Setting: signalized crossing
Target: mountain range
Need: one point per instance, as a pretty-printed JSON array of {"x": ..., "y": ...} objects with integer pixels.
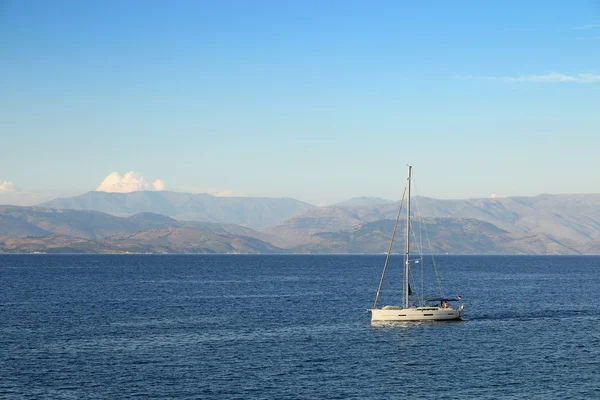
[
  {"x": 156, "y": 222},
  {"x": 37, "y": 229},
  {"x": 254, "y": 212},
  {"x": 569, "y": 219}
]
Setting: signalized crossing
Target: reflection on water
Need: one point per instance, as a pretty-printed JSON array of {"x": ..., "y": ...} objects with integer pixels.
[{"x": 412, "y": 324}]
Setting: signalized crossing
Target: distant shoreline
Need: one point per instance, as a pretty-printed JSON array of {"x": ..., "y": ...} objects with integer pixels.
[{"x": 289, "y": 254}]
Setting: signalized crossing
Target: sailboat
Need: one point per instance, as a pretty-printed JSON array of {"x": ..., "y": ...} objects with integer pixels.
[{"x": 413, "y": 307}]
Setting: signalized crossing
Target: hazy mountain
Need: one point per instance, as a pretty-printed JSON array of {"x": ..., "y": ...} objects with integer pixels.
[
  {"x": 52, "y": 243},
  {"x": 39, "y": 221},
  {"x": 188, "y": 240},
  {"x": 363, "y": 201},
  {"x": 329, "y": 219},
  {"x": 165, "y": 240},
  {"x": 446, "y": 235},
  {"x": 546, "y": 224},
  {"x": 16, "y": 227},
  {"x": 554, "y": 224},
  {"x": 317, "y": 220},
  {"x": 573, "y": 217},
  {"x": 227, "y": 229},
  {"x": 254, "y": 212},
  {"x": 37, "y": 229}
]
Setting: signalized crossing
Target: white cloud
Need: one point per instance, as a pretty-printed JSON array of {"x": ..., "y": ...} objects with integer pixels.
[
  {"x": 14, "y": 195},
  {"x": 587, "y": 38},
  {"x": 130, "y": 182},
  {"x": 158, "y": 185},
  {"x": 551, "y": 77},
  {"x": 7, "y": 187},
  {"x": 556, "y": 77},
  {"x": 224, "y": 193}
]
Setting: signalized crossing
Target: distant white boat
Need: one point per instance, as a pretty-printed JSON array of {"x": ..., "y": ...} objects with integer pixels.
[{"x": 414, "y": 307}]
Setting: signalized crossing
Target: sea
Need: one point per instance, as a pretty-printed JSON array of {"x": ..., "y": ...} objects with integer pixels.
[{"x": 293, "y": 327}]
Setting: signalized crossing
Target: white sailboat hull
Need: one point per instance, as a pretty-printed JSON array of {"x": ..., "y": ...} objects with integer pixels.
[{"x": 391, "y": 313}]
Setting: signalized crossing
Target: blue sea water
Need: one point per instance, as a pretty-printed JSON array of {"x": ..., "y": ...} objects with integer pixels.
[{"x": 292, "y": 327}]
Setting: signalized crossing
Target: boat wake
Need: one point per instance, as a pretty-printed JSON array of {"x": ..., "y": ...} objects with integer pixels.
[{"x": 543, "y": 315}]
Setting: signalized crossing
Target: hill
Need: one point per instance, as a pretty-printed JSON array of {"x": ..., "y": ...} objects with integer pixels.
[
  {"x": 38, "y": 221},
  {"x": 541, "y": 224},
  {"x": 446, "y": 235},
  {"x": 188, "y": 240},
  {"x": 36, "y": 229}
]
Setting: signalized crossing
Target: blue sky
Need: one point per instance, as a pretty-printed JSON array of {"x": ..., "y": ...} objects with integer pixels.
[{"x": 320, "y": 101}]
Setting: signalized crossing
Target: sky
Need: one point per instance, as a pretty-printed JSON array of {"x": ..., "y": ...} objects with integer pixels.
[{"x": 321, "y": 101}]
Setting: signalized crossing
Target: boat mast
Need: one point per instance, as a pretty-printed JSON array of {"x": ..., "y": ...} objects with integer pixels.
[{"x": 406, "y": 260}]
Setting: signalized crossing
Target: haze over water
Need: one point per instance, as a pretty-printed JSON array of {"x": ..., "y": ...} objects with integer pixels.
[{"x": 273, "y": 327}]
